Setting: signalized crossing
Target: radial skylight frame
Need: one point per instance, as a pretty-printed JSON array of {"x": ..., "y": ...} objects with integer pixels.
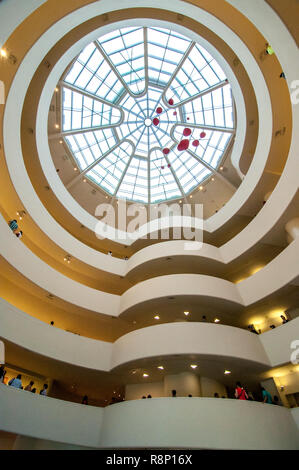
[{"x": 120, "y": 91}]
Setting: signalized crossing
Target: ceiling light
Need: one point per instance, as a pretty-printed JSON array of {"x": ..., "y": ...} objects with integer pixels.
[
  {"x": 227, "y": 372},
  {"x": 56, "y": 89},
  {"x": 213, "y": 179},
  {"x": 61, "y": 141},
  {"x": 57, "y": 126},
  {"x": 84, "y": 181},
  {"x": 67, "y": 258},
  {"x": 75, "y": 169},
  {"x": 221, "y": 168},
  {"x": 200, "y": 188},
  {"x": 191, "y": 196},
  {"x": 186, "y": 313},
  {"x": 216, "y": 320},
  {"x": 193, "y": 366},
  {"x": 3, "y": 53},
  {"x": 157, "y": 317},
  {"x": 161, "y": 367},
  {"x": 145, "y": 375}
]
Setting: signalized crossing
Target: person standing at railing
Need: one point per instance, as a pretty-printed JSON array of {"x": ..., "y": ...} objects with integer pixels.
[
  {"x": 16, "y": 382},
  {"x": 44, "y": 390},
  {"x": 2, "y": 374},
  {"x": 28, "y": 387},
  {"x": 240, "y": 392}
]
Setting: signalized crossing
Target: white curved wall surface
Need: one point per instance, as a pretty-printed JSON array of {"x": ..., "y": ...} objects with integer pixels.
[
  {"x": 270, "y": 349},
  {"x": 180, "y": 285},
  {"x": 42, "y": 417},
  {"x": 279, "y": 272},
  {"x": 13, "y": 13},
  {"x": 172, "y": 248},
  {"x": 26, "y": 262},
  {"x": 204, "y": 423},
  {"x": 52, "y": 342},
  {"x": 188, "y": 338},
  {"x": 279, "y": 344}
]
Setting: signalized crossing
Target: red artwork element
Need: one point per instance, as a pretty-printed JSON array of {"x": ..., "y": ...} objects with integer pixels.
[
  {"x": 175, "y": 113},
  {"x": 169, "y": 165},
  {"x": 156, "y": 121},
  {"x": 195, "y": 143},
  {"x": 159, "y": 110},
  {"x": 183, "y": 145},
  {"x": 166, "y": 151},
  {"x": 170, "y": 101},
  {"x": 162, "y": 167},
  {"x": 202, "y": 135},
  {"x": 188, "y": 119},
  {"x": 186, "y": 131}
]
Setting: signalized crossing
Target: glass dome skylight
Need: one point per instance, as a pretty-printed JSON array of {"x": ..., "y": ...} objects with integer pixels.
[{"x": 130, "y": 98}]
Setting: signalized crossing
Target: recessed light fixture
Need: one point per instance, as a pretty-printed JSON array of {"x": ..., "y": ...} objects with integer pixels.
[
  {"x": 186, "y": 313},
  {"x": 67, "y": 258},
  {"x": 200, "y": 188},
  {"x": 161, "y": 367},
  {"x": 56, "y": 89},
  {"x": 221, "y": 168},
  {"x": 61, "y": 141},
  {"x": 193, "y": 366},
  {"x": 75, "y": 169},
  {"x": 156, "y": 317},
  {"x": 84, "y": 181},
  {"x": 213, "y": 179},
  {"x": 216, "y": 320},
  {"x": 3, "y": 53},
  {"x": 227, "y": 372},
  {"x": 145, "y": 375},
  {"x": 57, "y": 126},
  {"x": 191, "y": 196}
]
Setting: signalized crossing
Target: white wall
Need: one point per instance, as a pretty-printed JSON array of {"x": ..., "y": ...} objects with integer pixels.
[
  {"x": 51, "y": 342},
  {"x": 47, "y": 418},
  {"x": 295, "y": 414},
  {"x": 137, "y": 391},
  {"x": 160, "y": 422},
  {"x": 185, "y": 383},
  {"x": 188, "y": 338},
  {"x": 210, "y": 386},
  {"x": 204, "y": 423},
  {"x": 12, "y": 13},
  {"x": 277, "y": 342}
]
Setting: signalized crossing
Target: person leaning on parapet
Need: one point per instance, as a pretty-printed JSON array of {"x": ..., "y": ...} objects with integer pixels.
[
  {"x": 240, "y": 392},
  {"x": 267, "y": 398},
  {"x": 28, "y": 387},
  {"x": 2, "y": 374},
  {"x": 16, "y": 382},
  {"x": 44, "y": 390}
]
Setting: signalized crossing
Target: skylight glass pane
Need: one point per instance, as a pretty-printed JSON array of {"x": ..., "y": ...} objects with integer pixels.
[{"x": 130, "y": 143}]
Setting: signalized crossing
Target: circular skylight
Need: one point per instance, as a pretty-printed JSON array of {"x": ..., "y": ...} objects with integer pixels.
[{"x": 146, "y": 113}]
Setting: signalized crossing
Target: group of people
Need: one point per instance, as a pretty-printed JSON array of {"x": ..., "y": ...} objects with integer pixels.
[
  {"x": 242, "y": 394},
  {"x": 13, "y": 225},
  {"x": 284, "y": 320},
  {"x": 16, "y": 382}
]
